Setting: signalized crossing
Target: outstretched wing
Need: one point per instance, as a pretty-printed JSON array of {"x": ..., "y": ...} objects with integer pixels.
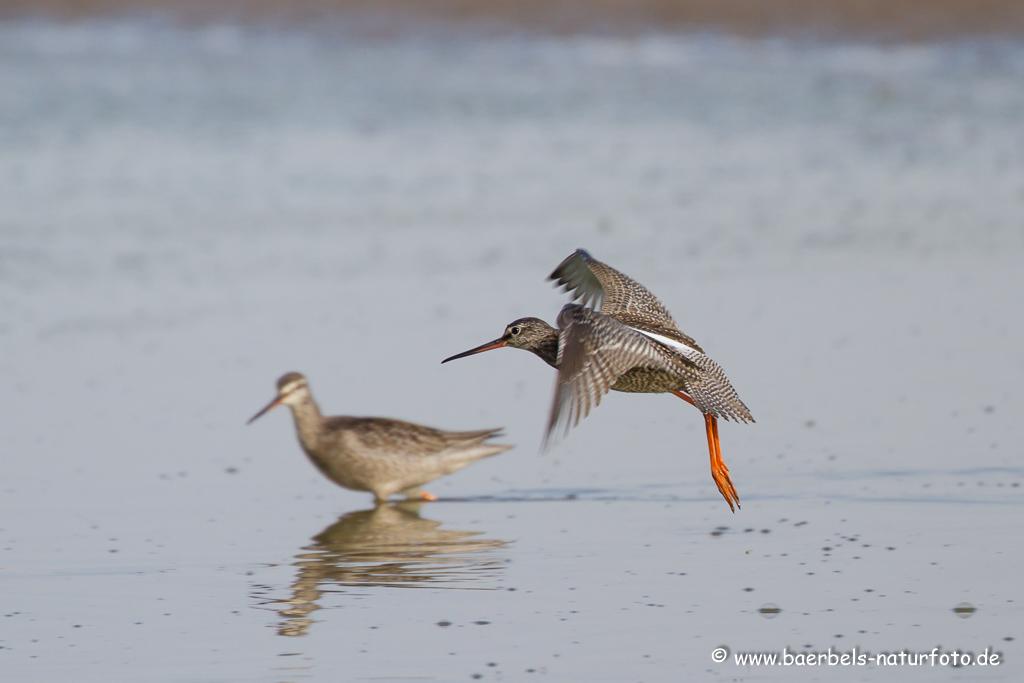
[
  {"x": 594, "y": 350},
  {"x": 576, "y": 276},
  {"x": 612, "y": 292},
  {"x": 615, "y": 294},
  {"x": 709, "y": 388}
]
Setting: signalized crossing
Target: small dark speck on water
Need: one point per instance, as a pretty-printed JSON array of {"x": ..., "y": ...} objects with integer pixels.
[
  {"x": 231, "y": 470},
  {"x": 481, "y": 623},
  {"x": 748, "y": 589},
  {"x": 444, "y": 623},
  {"x": 964, "y": 610},
  {"x": 769, "y": 609}
]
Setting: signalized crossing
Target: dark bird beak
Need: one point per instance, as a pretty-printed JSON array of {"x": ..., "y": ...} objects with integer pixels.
[
  {"x": 273, "y": 404},
  {"x": 496, "y": 344}
]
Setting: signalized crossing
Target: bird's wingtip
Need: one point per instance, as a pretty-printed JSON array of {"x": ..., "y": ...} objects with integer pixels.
[{"x": 580, "y": 252}]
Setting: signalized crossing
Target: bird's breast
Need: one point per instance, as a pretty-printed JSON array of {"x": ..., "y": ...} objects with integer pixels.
[{"x": 648, "y": 381}]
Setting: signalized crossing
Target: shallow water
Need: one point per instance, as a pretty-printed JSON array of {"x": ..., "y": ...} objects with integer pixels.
[{"x": 188, "y": 213}]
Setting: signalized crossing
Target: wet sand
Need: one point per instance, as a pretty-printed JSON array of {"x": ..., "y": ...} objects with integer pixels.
[{"x": 879, "y": 19}]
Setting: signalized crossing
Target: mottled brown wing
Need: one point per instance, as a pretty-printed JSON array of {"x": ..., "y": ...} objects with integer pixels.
[
  {"x": 709, "y": 388},
  {"x": 414, "y": 440},
  {"x": 714, "y": 394},
  {"x": 594, "y": 350},
  {"x": 576, "y": 277},
  {"x": 612, "y": 292}
]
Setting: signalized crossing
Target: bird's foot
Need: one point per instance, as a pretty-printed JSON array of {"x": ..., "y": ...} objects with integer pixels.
[
  {"x": 427, "y": 495},
  {"x": 719, "y": 472},
  {"x": 725, "y": 487}
]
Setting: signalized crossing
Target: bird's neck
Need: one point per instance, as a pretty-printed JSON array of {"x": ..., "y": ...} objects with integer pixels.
[
  {"x": 547, "y": 349},
  {"x": 308, "y": 421}
]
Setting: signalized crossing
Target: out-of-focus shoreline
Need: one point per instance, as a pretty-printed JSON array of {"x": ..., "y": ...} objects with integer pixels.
[{"x": 880, "y": 19}]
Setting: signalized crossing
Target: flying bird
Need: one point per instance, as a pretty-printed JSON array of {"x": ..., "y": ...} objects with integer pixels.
[{"x": 620, "y": 336}]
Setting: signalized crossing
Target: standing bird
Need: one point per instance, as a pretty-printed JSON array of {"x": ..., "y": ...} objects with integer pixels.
[
  {"x": 631, "y": 343},
  {"x": 377, "y": 454}
]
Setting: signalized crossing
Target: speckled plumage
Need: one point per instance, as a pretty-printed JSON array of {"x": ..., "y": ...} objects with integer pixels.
[
  {"x": 627, "y": 309},
  {"x": 377, "y": 454},
  {"x": 621, "y": 337}
]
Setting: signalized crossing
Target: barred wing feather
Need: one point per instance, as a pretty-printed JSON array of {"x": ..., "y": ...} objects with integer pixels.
[
  {"x": 710, "y": 389},
  {"x": 611, "y": 292},
  {"x": 594, "y": 350}
]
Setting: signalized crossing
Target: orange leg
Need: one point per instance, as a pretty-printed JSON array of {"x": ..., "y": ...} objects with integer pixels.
[
  {"x": 719, "y": 472},
  {"x": 685, "y": 398},
  {"x": 426, "y": 495}
]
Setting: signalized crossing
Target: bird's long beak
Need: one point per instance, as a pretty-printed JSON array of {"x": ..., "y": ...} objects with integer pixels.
[
  {"x": 273, "y": 404},
  {"x": 496, "y": 344}
]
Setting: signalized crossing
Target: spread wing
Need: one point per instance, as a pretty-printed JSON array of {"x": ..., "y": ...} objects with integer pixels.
[
  {"x": 594, "y": 350},
  {"x": 575, "y": 275},
  {"x": 709, "y": 388},
  {"x": 714, "y": 394},
  {"x": 612, "y": 293}
]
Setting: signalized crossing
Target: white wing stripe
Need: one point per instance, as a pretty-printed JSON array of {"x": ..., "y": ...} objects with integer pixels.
[{"x": 667, "y": 341}]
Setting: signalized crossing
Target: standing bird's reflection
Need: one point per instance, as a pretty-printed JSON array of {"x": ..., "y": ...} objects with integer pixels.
[{"x": 387, "y": 546}]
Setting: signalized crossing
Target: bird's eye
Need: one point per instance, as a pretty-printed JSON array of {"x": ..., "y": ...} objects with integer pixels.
[{"x": 515, "y": 330}]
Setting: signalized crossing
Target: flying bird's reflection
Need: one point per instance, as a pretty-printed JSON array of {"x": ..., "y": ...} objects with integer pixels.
[{"x": 387, "y": 546}]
